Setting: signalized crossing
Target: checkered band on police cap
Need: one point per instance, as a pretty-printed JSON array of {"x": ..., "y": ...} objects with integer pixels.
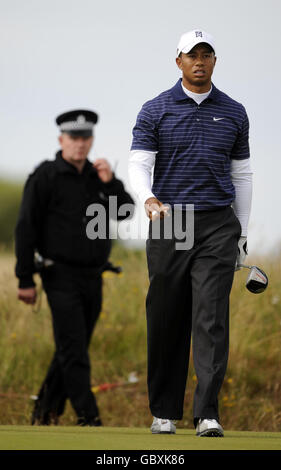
[{"x": 77, "y": 120}]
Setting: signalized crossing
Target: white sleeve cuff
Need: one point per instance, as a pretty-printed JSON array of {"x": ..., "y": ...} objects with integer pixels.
[
  {"x": 141, "y": 163},
  {"x": 241, "y": 176}
]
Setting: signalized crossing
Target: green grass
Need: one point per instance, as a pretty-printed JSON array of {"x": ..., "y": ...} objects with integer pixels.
[
  {"x": 10, "y": 196},
  {"x": 110, "y": 438}
]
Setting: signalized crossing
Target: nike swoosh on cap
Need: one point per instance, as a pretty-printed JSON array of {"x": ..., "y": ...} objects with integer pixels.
[{"x": 218, "y": 119}]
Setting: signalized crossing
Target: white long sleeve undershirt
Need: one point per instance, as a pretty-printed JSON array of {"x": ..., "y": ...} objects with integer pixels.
[
  {"x": 241, "y": 177},
  {"x": 141, "y": 163}
]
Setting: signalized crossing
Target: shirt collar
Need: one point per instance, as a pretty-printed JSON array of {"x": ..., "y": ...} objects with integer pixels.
[
  {"x": 179, "y": 95},
  {"x": 65, "y": 167}
]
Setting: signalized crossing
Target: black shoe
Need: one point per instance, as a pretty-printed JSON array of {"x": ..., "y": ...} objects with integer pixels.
[
  {"x": 89, "y": 421},
  {"x": 40, "y": 417}
]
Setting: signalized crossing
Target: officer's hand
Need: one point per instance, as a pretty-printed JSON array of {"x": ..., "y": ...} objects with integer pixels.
[
  {"x": 28, "y": 295},
  {"x": 103, "y": 169},
  {"x": 154, "y": 209},
  {"x": 242, "y": 252}
]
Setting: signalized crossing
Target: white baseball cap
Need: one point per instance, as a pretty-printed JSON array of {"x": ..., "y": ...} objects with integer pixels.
[{"x": 192, "y": 38}]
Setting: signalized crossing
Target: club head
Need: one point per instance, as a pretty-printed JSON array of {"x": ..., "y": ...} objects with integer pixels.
[{"x": 257, "y": 280}]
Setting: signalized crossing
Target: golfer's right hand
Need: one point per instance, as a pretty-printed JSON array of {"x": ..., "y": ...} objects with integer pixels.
[
  {"x": 154, "y": 209},
  {"x": 27, "y": 295}
]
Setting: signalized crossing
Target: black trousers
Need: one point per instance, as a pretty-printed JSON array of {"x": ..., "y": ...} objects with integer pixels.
[
  {"x": 189, "y": 293},
  {"x": 75, "y": 298}
]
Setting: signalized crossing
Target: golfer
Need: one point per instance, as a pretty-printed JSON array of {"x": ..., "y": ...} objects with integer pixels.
[{"x": 196, "y": 138}]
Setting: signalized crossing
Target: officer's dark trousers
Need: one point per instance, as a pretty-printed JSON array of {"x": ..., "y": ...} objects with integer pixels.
[
  {"x": 75, "y": 298},
  {"x": 189, "y": 293}
]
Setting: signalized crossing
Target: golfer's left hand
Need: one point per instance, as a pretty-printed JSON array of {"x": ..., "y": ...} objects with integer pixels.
[
  {"x": 103, "y": 169},
  {"x": 242, "y": 252}
]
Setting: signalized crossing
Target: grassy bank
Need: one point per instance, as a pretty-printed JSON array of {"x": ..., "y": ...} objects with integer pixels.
[
  {"x": 10, "y": 196},
  {"x": 250, "y": 398},
  {"x": 109, "y": 438}
]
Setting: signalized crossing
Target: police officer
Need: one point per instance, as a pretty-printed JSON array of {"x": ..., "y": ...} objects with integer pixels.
[{"x": 52, "y": 221}]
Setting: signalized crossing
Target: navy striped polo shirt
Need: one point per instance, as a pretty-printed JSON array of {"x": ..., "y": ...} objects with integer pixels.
[{"x": 194, "y": 145}]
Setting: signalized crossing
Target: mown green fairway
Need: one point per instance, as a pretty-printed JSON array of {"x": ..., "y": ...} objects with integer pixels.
[{"x": 108, "y": 438}]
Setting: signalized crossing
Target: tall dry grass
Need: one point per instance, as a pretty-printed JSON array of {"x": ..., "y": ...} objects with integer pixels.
[{"x": 250, "y": 398}]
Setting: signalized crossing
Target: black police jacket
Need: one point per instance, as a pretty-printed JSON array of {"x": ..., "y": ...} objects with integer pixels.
[{"x": 52, "y": 217}]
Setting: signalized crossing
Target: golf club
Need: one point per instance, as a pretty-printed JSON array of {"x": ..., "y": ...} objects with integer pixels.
[{"x": 257, "y": 280}]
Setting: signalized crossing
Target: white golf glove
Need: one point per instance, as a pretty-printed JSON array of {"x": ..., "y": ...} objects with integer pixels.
[{"x": 242, "y": 252}]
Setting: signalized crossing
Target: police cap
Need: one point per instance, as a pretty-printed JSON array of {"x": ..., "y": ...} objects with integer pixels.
[{"x": 79, "y": 122}]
